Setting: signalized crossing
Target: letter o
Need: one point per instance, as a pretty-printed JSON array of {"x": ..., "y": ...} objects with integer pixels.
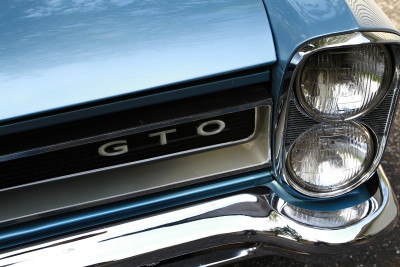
[{"x": 201, "y": 131}]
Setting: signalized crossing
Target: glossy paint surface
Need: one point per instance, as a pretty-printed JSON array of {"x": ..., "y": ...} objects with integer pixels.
[
  {"x": 60, "y": 53},
  {"x": 295, "y": 22}
]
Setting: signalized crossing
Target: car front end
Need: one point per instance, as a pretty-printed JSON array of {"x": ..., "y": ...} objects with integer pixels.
[{"x": 195, "y": 133}]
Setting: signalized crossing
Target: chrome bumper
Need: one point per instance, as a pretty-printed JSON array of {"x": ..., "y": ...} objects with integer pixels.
[{"x": 213, "y": 232}]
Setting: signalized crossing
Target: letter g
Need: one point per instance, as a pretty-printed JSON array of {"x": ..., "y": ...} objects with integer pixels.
[{"x": 116, "y": 150}]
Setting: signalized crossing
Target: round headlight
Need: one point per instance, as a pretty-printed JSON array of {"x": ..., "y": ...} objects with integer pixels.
[
  {"x": 343, "y": 83},
  {"x": 329, "y": 157}
]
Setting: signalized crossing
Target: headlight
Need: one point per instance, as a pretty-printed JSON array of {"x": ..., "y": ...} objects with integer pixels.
[
  {"x": 329, "y": 157},
  {"x": 338, "y": 102},
  {"x": 343, "y": 83}
]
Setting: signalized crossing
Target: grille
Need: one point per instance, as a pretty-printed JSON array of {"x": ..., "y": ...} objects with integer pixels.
[
  {"x": 377, "y": 120},
  {"x": 297, "y": 123},
  {"x": 239, "y": 126}
]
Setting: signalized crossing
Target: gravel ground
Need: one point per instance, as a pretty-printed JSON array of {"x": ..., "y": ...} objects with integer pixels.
[
  {"x": 391, "y": 8},
  {"x": 387, "y": 252}
]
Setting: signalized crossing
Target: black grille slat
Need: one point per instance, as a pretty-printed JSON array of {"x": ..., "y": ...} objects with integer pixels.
[
  {"x": 377, "y": 119},
  {"x": 297, "y": 123}
]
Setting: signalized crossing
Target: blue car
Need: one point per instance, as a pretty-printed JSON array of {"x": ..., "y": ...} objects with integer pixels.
[{"x": 141, "y": 133}]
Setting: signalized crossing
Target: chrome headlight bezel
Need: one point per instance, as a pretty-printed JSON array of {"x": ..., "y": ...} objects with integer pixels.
[{"x": 292, "y": 119}]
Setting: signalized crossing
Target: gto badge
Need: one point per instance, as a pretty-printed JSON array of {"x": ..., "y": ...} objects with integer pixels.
[{"x": 116, "y": 148}]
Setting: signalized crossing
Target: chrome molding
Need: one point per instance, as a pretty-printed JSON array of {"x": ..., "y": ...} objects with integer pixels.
[
  {"x": 288, "y": 94},
  {"x": 350, "y": 39},
  {"x": 243, "y": 218}
]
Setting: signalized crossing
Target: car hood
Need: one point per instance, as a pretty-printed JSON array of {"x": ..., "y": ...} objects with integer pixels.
[{"x": 60, "y": 53}]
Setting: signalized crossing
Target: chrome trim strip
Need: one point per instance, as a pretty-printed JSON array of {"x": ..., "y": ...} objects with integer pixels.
[
  {"x": 349, "y": 39},
  {"x": 242, "y": 218},
  {"x": 287, "y": 93}
]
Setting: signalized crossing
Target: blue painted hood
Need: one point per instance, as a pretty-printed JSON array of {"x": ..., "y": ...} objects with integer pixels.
[{"x": 57, "y": 53}]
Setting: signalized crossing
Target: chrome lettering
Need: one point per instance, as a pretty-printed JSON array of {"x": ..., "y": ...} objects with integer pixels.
[
  {"x": 220, "y": 124},
  {"x": 118, "y": 148},
  {"x": 163, "y": 135}
]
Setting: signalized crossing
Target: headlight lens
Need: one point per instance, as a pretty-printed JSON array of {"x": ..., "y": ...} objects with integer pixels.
[
  {"x": 340, "y": 84},
  {"x": 330, "y": 157}
]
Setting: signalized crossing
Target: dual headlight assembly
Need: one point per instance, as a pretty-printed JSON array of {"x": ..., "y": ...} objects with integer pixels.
[{"x": 346, "y": 95}]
